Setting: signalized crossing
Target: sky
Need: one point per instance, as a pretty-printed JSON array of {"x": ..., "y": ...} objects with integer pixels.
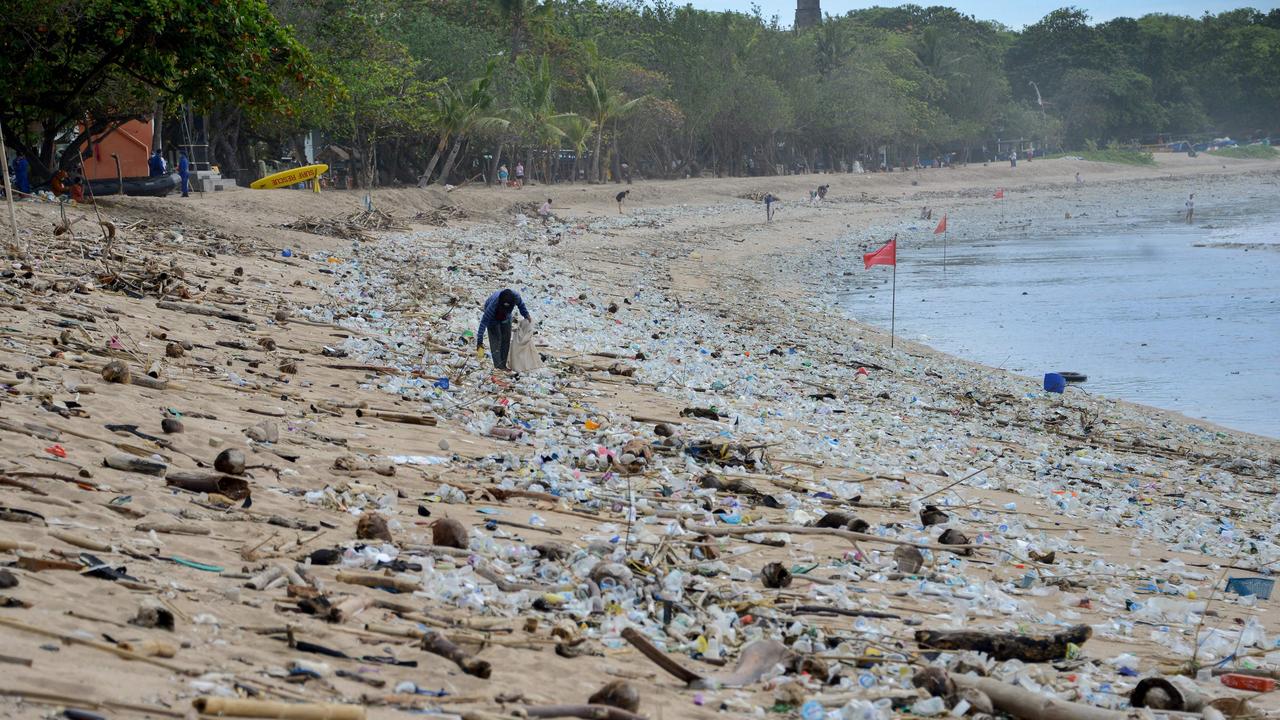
[{"x": 1014, "y": 13}]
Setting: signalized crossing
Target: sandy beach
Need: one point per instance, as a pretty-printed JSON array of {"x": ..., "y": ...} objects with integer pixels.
[{"x": 1083, "y": 509}]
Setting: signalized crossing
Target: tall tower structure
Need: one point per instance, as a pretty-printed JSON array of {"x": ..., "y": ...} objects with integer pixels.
[{"x": 808, "y": 13}]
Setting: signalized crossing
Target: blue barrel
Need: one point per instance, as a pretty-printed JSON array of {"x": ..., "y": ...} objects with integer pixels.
[{"x": 1055, "y": 383}]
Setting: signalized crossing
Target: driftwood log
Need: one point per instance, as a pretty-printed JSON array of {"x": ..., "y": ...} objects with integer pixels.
[
  {"x": 1027, "y": 705},
  {"x": 1006, "y": 646},
  {"x": 590, "y": 712},
  {"x": 204, "y": 310},
  {"x": 437, "y": 644}
]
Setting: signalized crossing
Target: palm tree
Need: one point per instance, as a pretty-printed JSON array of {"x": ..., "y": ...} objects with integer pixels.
[
  {"x": 577, "y": 132},
  {"x": 534, "y": 112},
  {"x": 460, "y": 112},
  {"x": 606, "y": 107}
]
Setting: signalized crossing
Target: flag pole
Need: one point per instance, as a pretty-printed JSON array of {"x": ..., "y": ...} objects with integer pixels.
[
  {"x": 945, "y": 230},
  {"x": 893, "y": 303}
]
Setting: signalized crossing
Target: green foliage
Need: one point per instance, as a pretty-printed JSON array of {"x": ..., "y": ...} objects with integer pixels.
[
  {"x": 665, "y": 86},
  {"x": 106, "y": 60},
  {"x": 1248, "y": 152}
]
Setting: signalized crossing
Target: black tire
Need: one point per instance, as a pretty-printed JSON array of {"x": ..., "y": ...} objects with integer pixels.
[{"x": 1073, "y": 377}]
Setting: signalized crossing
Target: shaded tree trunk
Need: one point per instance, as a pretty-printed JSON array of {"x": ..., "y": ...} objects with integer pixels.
[
  {"x": 448, "y": 163},
  {"x": 493, "y": 165},
  {"x": 593, "y": 174},
  {"x": 615, "y": 157},
  {"x": 425, "y": 178}
]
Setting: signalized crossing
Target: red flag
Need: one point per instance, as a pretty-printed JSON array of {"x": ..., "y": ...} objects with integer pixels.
[
  {"x": 942, "y": 226},
  {"x": 1000, "y": 194},
  {"x": 887, "y": 255}
]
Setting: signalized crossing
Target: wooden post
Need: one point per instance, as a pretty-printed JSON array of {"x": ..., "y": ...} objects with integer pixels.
[{"x": 15, "y": 248}]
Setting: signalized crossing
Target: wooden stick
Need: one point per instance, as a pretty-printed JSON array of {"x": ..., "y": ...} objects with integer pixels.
[
  {"x": 646, "y": 648},
  {"x": 379, "y": 581},
  {"x": 74, "y": 640},
  {"x": 56, "y": 699},
  {"x": 398, "y": 417},
  {"x": 234, "y": 707},
  {"x": 80, "y": 542}
]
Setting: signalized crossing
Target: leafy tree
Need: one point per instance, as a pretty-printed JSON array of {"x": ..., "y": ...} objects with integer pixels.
[
  {"x": 459, "y": 112},
  {"x": 606, "y": 107},
  {"x": 97, "y": 63},
  {"x": 577, "y": 131}
]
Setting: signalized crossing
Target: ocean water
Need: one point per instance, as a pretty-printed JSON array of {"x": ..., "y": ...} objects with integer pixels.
[{"x": 1152, "y": 310}]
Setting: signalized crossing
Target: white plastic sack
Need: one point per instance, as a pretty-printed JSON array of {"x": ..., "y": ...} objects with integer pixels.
[{"x": 524, "y": 356}]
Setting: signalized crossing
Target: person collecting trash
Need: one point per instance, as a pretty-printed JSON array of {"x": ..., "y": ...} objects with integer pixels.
[{"x": 496, "y": 319}]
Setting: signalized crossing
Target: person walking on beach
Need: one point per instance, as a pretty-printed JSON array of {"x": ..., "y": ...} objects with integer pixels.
[
  {"x": 1191, "y": 207},
  {"x": 519, "y": 175},
  {"x": 184, "y": 173},
  {"x": 156, "y": 164},
  {"x": 620, "y": 197},
  {"x": 22, "y": 174},
  {"x": 544, "y": 212},
  {"x": 768, "y": 206},
  {"x": 496, "y": 320},
  {"x": 822, "y": 192},
  {"x": 1013, "y": 158},
  {"x": 1079, "y": 180},
  {"x": 503, "y": 174}
]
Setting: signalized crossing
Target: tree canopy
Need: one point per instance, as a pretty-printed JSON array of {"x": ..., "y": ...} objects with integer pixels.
[{"x": 426, "y": 90}]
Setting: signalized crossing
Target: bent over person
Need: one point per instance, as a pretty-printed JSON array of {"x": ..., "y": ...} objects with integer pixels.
[{"x": 498, "y": 313}]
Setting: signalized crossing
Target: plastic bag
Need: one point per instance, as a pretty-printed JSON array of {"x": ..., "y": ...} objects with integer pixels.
[{"x": 523, "y": 356}]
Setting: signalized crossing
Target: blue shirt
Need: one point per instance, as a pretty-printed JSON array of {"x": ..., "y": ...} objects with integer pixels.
[
  {"x": 157, "y": 165},
  {"x": 183, "y": 165},
  {"x": 491, "y": 311}
]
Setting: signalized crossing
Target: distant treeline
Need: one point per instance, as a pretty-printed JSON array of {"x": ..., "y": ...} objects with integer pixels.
[{"x": 447, "y": 90}]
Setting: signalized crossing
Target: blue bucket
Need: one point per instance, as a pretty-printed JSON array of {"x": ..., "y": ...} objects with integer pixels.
[
  {"x": 1261, "y": 587},
  {"x": 1055, "y": 383}
]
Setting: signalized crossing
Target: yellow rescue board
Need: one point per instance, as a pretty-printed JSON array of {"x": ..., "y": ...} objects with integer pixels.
[{"x": 285, "y": 178}]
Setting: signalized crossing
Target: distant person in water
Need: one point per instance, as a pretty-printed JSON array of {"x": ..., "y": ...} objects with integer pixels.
[
  {"x": 769, "y": 200},
  {"x": 499, "y": 311},
  {"x": 1191, "y": 207},
  {"x": 620, "y": 197}
]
